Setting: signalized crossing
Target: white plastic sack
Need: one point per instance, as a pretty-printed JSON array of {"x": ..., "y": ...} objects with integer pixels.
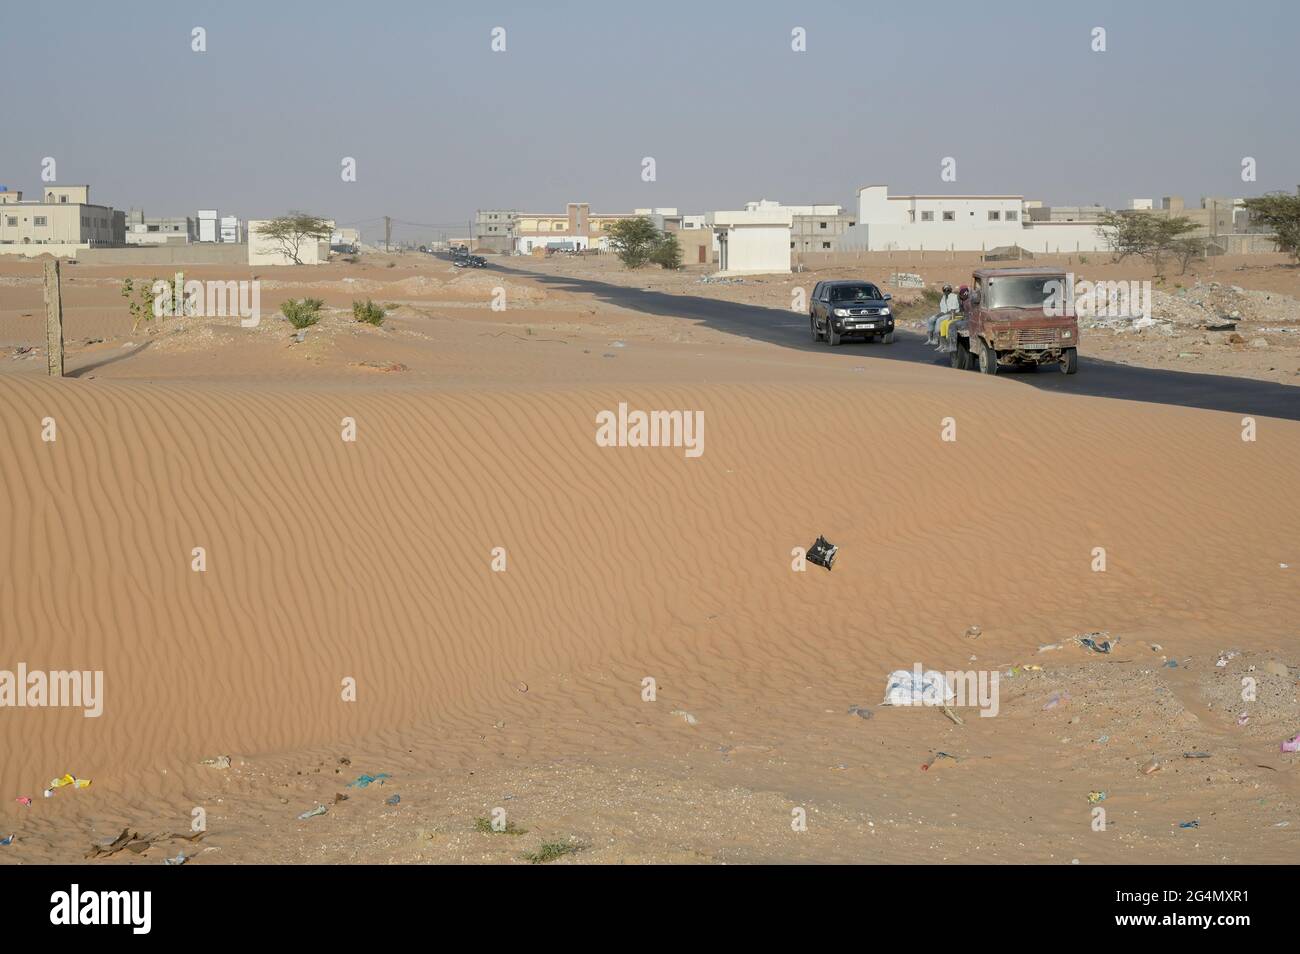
[{"x": 912, "y": 687}]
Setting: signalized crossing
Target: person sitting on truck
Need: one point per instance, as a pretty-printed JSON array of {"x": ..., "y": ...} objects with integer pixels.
[{"x": 948, "y": 305}]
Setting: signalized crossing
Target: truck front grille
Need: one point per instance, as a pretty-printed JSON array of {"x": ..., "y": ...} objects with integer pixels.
[{"x": 1039, "y": 338}]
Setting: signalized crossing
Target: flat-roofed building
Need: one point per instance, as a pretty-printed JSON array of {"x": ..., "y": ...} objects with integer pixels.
[{"x": 61, "y": 222}]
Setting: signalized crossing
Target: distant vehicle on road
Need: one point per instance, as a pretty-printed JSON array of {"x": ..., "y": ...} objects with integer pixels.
[
  {"x": 1017, "y": 317},
  {"x": 850, "y": 309}
]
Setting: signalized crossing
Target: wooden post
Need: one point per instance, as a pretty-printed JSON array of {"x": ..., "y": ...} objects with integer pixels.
[{"x": 53, "y": 320}]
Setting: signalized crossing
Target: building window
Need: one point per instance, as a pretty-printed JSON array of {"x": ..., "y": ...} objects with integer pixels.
[
  {"x": 927, "y": 216},
  {"x": 950, "y": 216},
  {"x": 851, "y": 224},
  {"x": 826, "y": 244},
  {"x": 85, "y": 221},
  {"x": 821, "y": 225},
  {"x": 63, "y": 199},
  {"x": 12, "y": 221},
  {"x": 1013, "y": 216},
  {"x": 995, "y": 215},
  {"x": 39, "y": 221}
]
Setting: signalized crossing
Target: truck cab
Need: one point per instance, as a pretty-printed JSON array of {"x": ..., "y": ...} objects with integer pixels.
[{"x": 1018, "y": 317}]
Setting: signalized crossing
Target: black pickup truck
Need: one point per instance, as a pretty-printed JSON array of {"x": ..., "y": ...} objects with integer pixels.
[{"x": 850, "y": 309}]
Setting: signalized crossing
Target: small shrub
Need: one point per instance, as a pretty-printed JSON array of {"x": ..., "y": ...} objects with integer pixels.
[
  {"x": 302, "y": 312},
  {"x": 551, "y": 850},
  {"x": 368, "y": 312},
  {"x": 484, "y": 825}
]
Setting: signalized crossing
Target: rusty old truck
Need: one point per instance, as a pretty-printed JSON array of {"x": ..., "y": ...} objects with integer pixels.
[{"x": 1017, "y": 317}]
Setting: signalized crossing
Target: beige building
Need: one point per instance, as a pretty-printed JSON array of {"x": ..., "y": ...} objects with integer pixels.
[
  {"x": 573, "y": 229},
  {"x": 60, "y": 223}
]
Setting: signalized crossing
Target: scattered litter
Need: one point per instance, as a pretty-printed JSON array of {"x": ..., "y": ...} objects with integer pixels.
[
  {"x": 685, "y": 716},
  {"x": 1095, "y": 797},
  {"x": 925, "y": 766},
  {"x": 7, "y": 840},
  {"x": 973, "y": 632},
  {"x": 392, "y": 799},
  {"x": 1196, "y": 755},
  {"x": 1103, "y": 739},
  {"x": 24, "y": 800},
  {"x": 365, "y": 780},
  {"x": 862, "y": 712},
  {"x": 180, "y": 859},
  {"x": 1097, "y": 642},
  {"x": 1171, "y": 664},
  {"x": 1156, "y": 647},
  {"x": 63, "y": 782},
  {"x": 1292, "y": 744},
  {"x": 1190, "y": 824},
  {"x": 822, "y": 552},
  {"x": 618, "y": 344},
  {"x": 339, "y": 797},
  {"x": 957, "y": 720},
  {"x": 1151, "y": 767},
  {"x": 136, "y": 843},
  {"x": 220, "y": 762},
  {"x": 1243, "y": 719},
  {"x": 1056, "y": 699},
  {"x": 907, "y": 687},
  {"x": 318, "y": 810},
  {"x": 1049, "y": 647}
]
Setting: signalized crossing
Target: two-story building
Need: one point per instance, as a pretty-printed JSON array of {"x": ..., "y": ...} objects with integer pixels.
[{"x": 61, "y": 222}]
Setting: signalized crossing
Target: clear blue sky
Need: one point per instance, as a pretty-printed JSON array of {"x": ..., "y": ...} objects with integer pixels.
[{"x": 440, "y": 125}]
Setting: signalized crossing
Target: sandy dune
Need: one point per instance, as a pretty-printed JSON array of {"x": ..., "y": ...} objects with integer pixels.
[{"x": 371, "y": 560}]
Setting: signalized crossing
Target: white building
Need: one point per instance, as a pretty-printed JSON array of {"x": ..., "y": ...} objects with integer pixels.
[
  {"x": 232, "y": 230},
  {"x": 209, "y": 230},
  {"x": 753, "y": 241},
  {"x": 963, "y": 223}
]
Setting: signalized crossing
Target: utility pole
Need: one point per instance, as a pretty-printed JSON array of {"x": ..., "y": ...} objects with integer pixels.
[
  {"x": 388, "y": 231},
  {"x": 53, "y": 320}
]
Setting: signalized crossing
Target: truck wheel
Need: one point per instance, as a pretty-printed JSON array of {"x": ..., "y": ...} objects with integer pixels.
[
  {"x": 988, "y": 359},
  {"x": 962, "y": 359},
  {"x": 812, "y": 323},
  {"x": 832, "y": 336},
  {"x": 1070, "y": 361},
  {"x": 887, "y": 337}
]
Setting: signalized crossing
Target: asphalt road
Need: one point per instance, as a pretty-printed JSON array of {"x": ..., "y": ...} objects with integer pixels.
[{"x": 1095, "y": 378}]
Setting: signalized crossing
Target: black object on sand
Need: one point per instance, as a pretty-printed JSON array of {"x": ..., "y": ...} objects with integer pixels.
[{"x": 823, "y": 552}]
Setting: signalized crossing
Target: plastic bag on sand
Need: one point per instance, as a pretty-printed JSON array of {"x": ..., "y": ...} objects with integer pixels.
[{"x": 908, "y": 687}]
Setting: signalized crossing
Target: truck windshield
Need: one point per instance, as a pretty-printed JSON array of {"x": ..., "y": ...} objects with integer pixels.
[
  {"x": 1023, "y": 291},
  {"x": 855, "y": 293}
]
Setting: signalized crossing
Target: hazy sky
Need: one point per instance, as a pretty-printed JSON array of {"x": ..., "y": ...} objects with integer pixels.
[{"x": 440, "y": 125}]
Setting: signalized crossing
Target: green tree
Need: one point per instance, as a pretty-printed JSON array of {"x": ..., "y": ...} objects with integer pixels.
[
  {"x": 634, "y": 240},
  {"x": 667, "y": 252},
  {"x": 1280, "y": 211},
  {"x": 289, "y": 232},
  {"x": 1146, "y": 235}
]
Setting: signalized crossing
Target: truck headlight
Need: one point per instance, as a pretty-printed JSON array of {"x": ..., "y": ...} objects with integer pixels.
[
  {"x": 1067, "y": 334},
  {"x": 885, "y": 313},
  {"x": 841, "y": 312}
]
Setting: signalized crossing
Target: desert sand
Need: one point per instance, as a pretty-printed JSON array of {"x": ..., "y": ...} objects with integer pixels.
[{"x": 372, "y": 561}]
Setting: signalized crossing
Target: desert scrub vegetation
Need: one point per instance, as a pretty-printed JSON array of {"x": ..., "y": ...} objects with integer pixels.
[
  {"x": 368, "y": 312},
  {"x": 551, "y": 850},
  {"x": 302, "y": 312},
  {"x": 484, "y": 825}
]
